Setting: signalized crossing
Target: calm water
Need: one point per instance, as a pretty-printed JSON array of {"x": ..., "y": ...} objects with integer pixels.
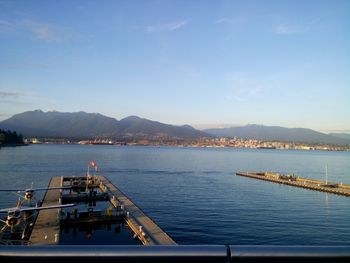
[{"x": 194, "y": 195}]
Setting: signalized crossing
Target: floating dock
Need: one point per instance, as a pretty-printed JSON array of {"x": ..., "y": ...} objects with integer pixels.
[
  {"x": 46, "y": 230},
  {"x": 47, "y": 226},
  {"x": 312, "y": 184},
  {"x": 143, "y": 226}
]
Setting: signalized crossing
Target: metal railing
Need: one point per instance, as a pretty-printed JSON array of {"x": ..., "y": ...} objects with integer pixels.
[{"x": 181, "y": 253}]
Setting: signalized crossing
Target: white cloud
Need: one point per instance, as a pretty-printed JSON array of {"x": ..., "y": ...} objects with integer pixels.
[
  {"x": 13, "y": 98},
  {"x": 166, "y": 27},
  {"x": 42, "y": 31},
  {"x": 222, "y": 20},
  {"x": 283, "y": 29},
  {"x": 9, "y": 94},
  {"x": 242, "y": 87}
]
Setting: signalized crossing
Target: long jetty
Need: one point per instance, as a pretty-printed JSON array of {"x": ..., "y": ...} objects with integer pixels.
[
  {"x": 292, "y": 180},
  {"x": 46, "y": 230},
  {"x": 47, "y": 226},
  {"x": 143, "y": 226}
]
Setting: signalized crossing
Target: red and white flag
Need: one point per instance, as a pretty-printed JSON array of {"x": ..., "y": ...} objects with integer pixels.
[{"x": 93, "y": 165}]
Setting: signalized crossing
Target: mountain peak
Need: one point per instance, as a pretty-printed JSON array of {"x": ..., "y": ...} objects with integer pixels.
[
  {"x": 131, "y": 118},
  {"x": 188, "y": 126},
  {"x": 60, "y": 124},
  {"x": 88, "y": 125}
]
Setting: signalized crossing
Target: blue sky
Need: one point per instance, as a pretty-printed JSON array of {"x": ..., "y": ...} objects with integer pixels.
[{"x": 283, "y": 63}]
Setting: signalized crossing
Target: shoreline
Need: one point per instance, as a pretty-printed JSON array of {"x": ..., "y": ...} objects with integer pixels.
[{"x": 193, "y": 146}]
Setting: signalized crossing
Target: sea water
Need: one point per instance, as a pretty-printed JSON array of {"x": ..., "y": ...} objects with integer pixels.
[{"x": 194, "y": 195}]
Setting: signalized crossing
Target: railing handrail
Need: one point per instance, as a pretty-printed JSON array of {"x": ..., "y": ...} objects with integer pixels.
[{"x": 178, "y": 253}]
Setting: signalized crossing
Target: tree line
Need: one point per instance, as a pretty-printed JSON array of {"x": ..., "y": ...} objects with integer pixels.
[{"x": 10, "y": 137}]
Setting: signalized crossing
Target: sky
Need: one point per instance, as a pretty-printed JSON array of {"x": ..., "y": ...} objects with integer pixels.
[{"x": 203, "y": 63}]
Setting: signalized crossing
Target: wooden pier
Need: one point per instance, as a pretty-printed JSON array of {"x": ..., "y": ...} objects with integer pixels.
[
  {"x": 144, "y": 227},
  {"x": 46, "y": 229},
  {"x": 47, "y": 226},
  {"x": 312, "y": 184}
]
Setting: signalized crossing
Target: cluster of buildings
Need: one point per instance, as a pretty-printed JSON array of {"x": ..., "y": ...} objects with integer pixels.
[
  {"x": 202, "y": 142},
  {"x": 258, "y": 144}
]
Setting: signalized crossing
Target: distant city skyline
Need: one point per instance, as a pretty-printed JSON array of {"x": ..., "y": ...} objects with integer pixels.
[{"x": 277, "y": 63}]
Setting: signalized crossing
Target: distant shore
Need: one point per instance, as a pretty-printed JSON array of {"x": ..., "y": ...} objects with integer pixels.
[{"x": 204, "y": 143}]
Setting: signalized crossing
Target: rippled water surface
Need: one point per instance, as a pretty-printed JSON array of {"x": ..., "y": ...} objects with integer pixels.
[{"x": 194, "y": 194}]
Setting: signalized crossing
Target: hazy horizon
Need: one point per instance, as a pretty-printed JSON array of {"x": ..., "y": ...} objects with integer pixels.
[{"x": 277, "y": 63}]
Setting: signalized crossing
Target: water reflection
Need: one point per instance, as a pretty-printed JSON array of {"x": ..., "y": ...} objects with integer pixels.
[{"x": 117, "y": 233}]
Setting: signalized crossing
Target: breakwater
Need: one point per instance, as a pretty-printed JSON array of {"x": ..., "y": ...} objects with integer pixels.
[{"x": 292, "y": 180}]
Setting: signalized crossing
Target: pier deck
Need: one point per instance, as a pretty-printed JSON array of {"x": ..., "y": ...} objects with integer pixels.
[
  {"x": 154, "y": 234},
  {"x": 312, "y": 184},
  {"x": 46, "y": 228}
]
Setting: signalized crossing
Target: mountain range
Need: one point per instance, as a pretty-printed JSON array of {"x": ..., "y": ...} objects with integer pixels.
[
  {"x": 276, "y": 133},
  {"x": 341, "y": 135},
  {"x": 83, "y": 125},
  {"x": 89, "y": 125}
]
